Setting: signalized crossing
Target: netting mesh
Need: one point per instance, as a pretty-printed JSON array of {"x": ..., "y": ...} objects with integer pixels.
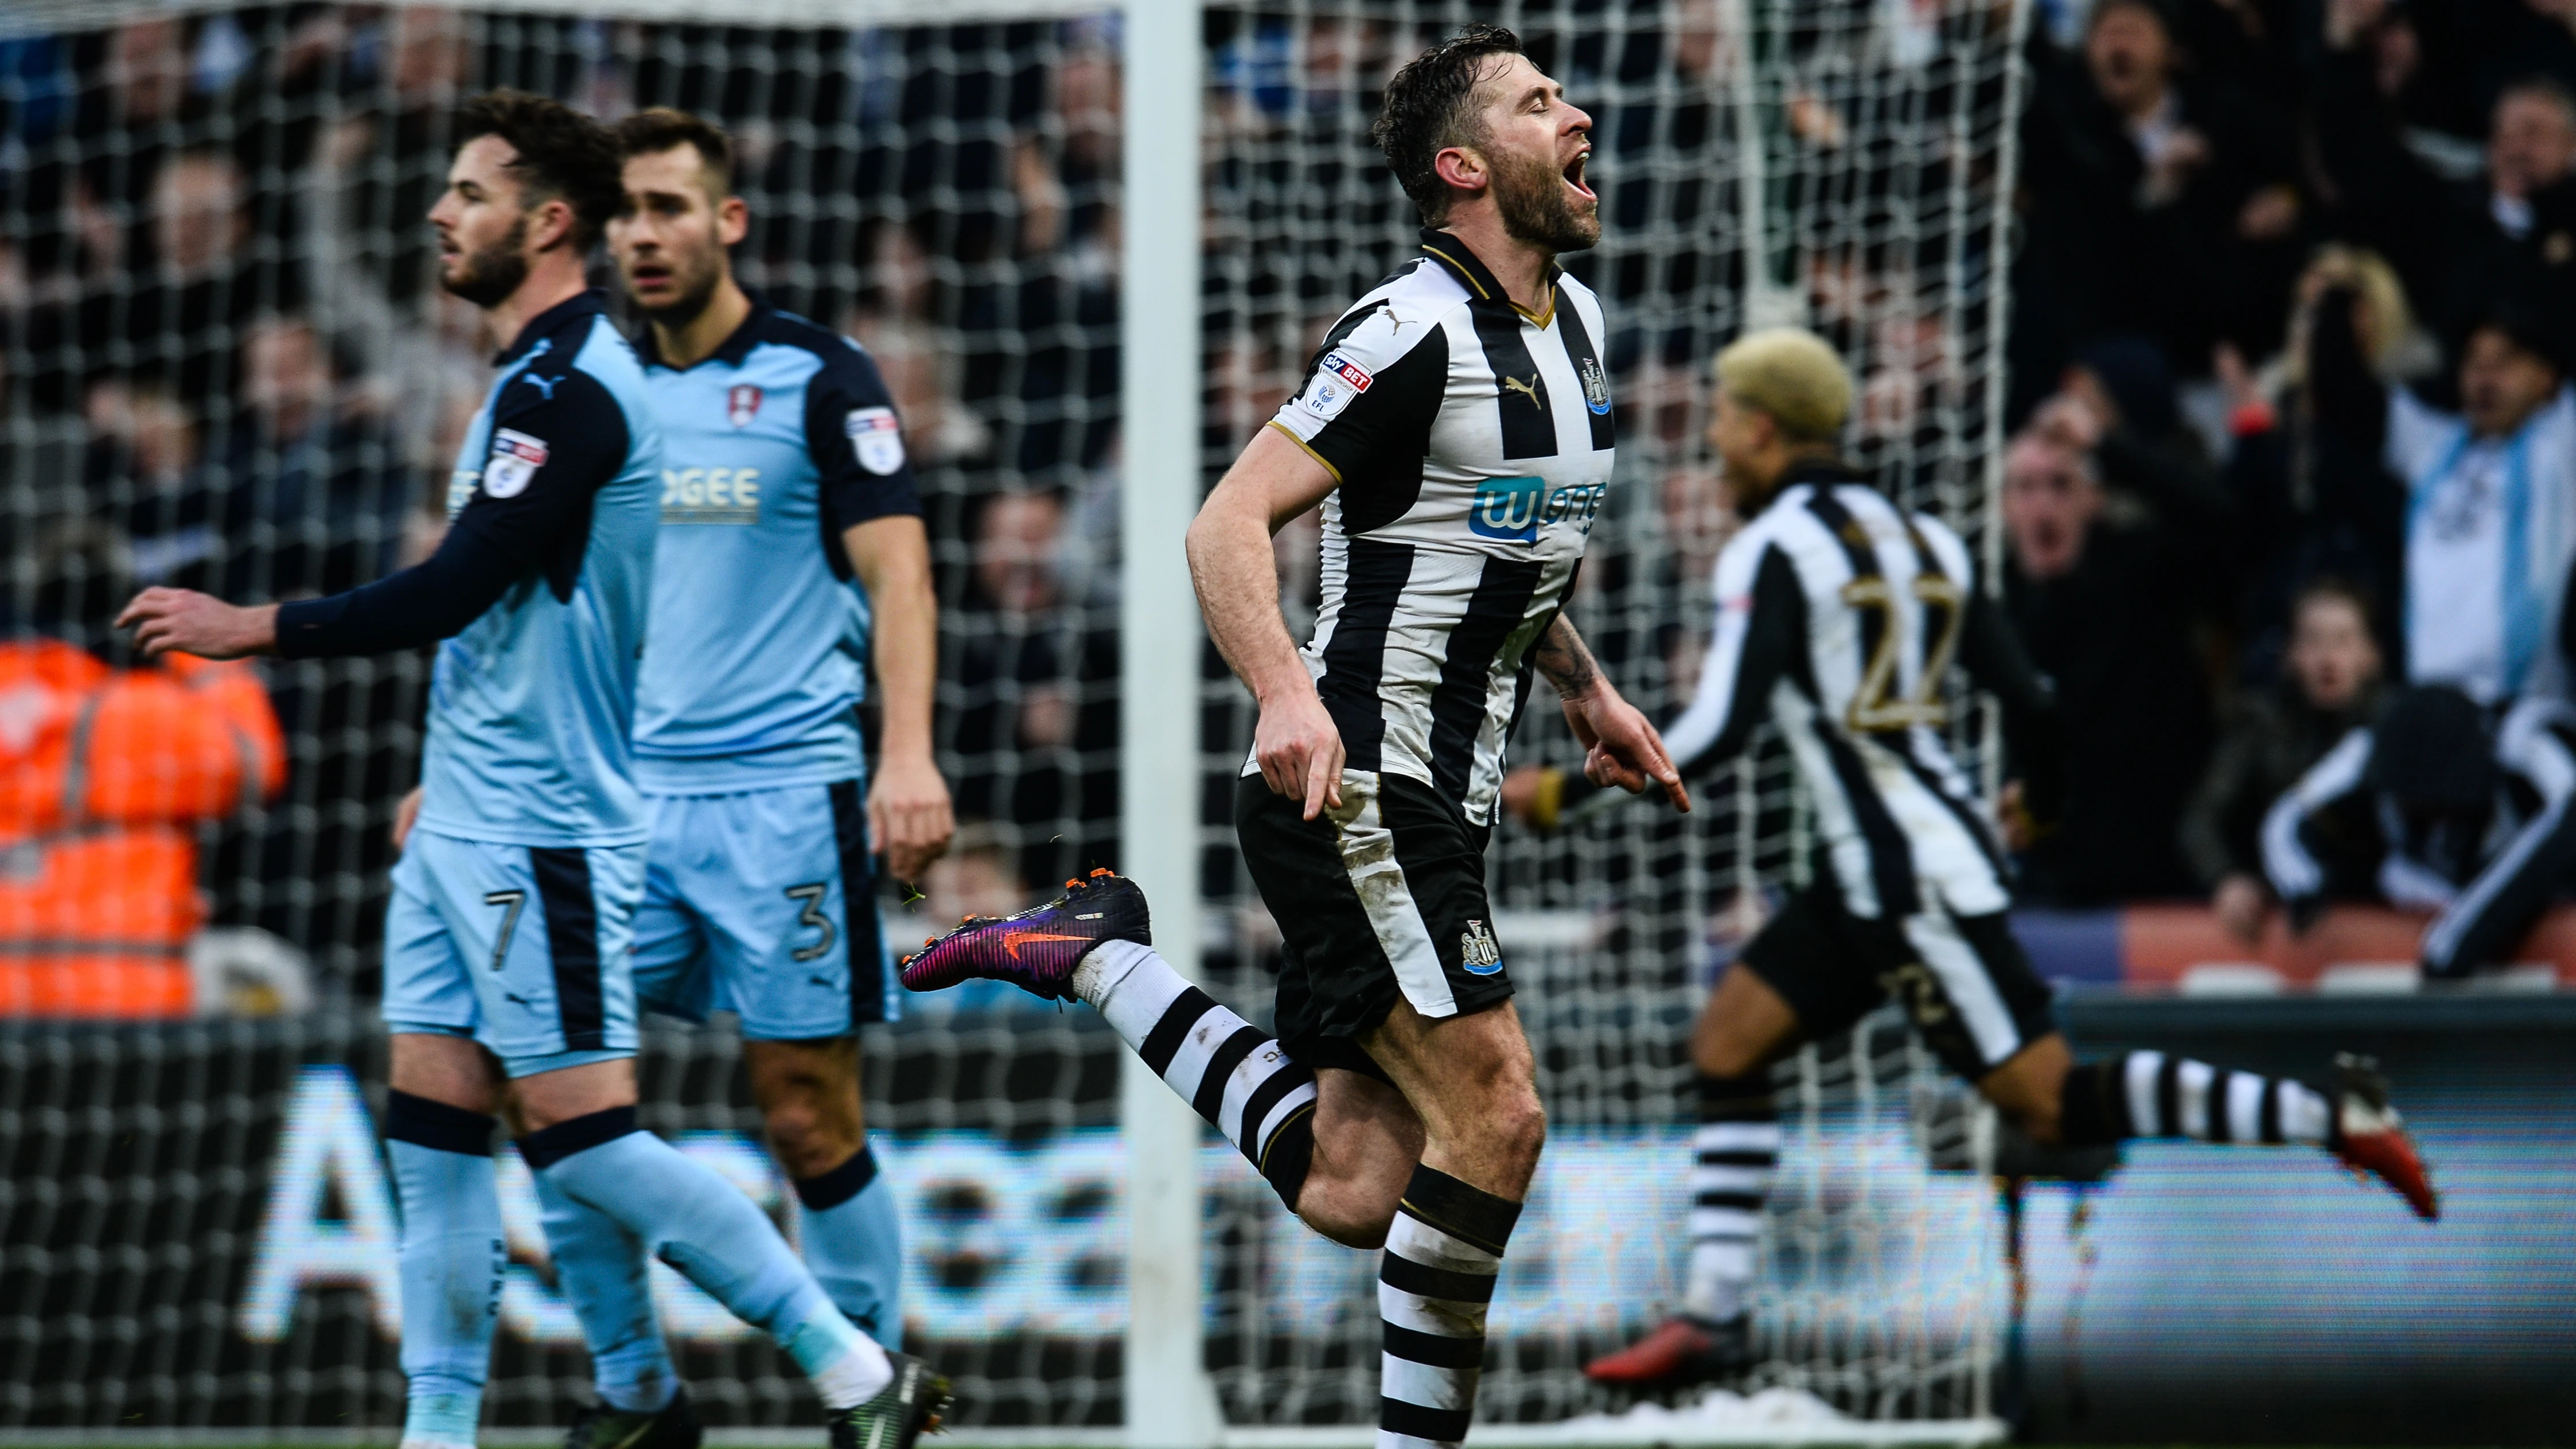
[{"x": 226, "y": 366}]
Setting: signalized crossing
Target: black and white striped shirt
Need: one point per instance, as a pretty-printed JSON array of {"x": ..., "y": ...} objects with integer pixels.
[
  {"x": 1839, "y": 616},
  {"x": 1472, "y": 443}
]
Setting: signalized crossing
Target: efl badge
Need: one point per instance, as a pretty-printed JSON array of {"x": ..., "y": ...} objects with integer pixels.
[
  {"x": 515, "y": 459},
  {"x": 1478, "y": 951},
  {"x": 1337, "y": 380},
  {"x": 877, "y": 438},
  {"x": 742, "y": 404}
]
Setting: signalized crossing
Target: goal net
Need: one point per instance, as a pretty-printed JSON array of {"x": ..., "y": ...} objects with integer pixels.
[{"x": 226, "y": 365}]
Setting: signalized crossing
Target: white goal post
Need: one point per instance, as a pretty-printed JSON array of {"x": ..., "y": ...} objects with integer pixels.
[{"x": 1170, "y": 1400}]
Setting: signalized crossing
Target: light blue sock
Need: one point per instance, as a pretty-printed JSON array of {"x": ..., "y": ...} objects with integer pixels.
[
  {"x": 853, "y": 1240},
  {"x": 453, "y": 1259},
  {"x": 604, "y": 1273},
  {"x": 700, "y": 1224}
]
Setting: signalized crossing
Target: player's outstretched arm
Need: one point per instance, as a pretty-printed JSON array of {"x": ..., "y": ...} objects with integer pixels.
[
  {"x": 1761, "y": 620},
  {"x": 165, "y": 620},
  {"x": 537, "y": 524},
  {"x": 909, "y": 813},
  {"x": 1620, "y": 747},
  {"x": 1298, "y": 746},
  {"x": 430, "y": 601}
]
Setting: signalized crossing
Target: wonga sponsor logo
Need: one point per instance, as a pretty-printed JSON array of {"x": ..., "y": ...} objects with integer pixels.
[
  {"x": 1506, "y": 508},
  {"x": 1514, "y": 508}
]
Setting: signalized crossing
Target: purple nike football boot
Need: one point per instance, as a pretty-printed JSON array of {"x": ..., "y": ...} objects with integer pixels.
[{"x": 1037, "y": 949}]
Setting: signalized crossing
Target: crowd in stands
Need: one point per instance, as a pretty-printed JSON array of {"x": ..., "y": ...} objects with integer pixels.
[
  {"x": 2297, "y": 304},
  {"x": 2294, "y": 303}
]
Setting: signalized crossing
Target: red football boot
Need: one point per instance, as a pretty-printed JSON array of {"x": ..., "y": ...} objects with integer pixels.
[
  {"x": 2371, "y": 1138},
  {"x": 1681, "y": 1350}
]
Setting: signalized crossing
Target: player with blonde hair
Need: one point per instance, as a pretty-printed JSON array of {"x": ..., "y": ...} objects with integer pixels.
[{"x": 1838, "y": 618}]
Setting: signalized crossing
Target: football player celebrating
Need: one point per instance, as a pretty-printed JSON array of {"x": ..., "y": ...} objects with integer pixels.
[
  {"x": 1456, "y": 428},
  {"x": 1839, "y": 616}
]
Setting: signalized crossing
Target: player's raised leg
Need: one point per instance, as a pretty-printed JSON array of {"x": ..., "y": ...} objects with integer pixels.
[
  {"x": 1094, "y": 944},
  {"x": 1971, "y": 995},
  {"x": 1428, "y": 1155},
  {"x": 1398, "y": 1104},
  {"x": 2061, "y": 1101}
]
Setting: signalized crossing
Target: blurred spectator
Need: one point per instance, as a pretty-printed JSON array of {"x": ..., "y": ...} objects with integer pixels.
[
  {"x": 1038, "y": 729},
  {"x": 2435, "y": 806},
  {"x": 105, "y": 773},
  {"x": 977, "y": 877},
  {"x": 2329, "y": 685},
  {"x": 2505, "y": 235},
  {"x": 2306, "y": 469},
  {"x": 2127, "y": 416},
  {"x": 327, "y": 497},
  {"x": 129, "y": 117},
  {"x": 198, "y": 218},
  {"x": 2491, "y": 516},
  {"x": 1016, "y": 543},
  {"x": 2100, "y": 590},
  {"x": 146, "y": 466},
  {"x": 2158, "y": 202},
  {"x": 1057, "y": 171},
  {"x": 174, "y": 318},
  {"x": 895, "y": 321}
]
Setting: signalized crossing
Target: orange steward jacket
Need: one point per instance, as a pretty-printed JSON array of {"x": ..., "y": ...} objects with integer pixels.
[{"x": 104, "y": 776}]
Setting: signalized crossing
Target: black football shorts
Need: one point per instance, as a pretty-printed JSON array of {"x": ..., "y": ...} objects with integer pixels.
[
  {"x": 1963, "y": 980},
  {"x": 1382, "y": 897}
]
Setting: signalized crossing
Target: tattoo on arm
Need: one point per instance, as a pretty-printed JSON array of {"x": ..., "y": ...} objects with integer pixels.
[{"x": 1562, "y": 657}]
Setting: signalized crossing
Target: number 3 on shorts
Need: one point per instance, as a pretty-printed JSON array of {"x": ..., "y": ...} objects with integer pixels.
[{"x": 812, "y": 915}]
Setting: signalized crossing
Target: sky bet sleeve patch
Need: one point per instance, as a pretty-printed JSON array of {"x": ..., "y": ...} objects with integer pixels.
[
  {"x": 1337, "y": 380},
  {"x": 515, "y": 459}
]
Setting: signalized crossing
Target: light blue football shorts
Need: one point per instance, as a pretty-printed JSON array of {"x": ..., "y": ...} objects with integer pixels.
[
  {"x": 762, "y": 903},
  {"x": 523, "y": 948}
]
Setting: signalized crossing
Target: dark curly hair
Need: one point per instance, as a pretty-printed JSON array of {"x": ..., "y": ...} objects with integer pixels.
[
  {"x": 1431, "y": 105},
  {"x": 562, "y": 154}
]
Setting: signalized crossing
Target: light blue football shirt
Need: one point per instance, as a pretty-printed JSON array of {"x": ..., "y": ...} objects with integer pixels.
[
  {"x": 771, "y": 447},
  {"x": 532, "y": 705}
]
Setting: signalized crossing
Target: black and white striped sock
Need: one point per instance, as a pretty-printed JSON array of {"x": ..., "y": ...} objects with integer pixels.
[
  {"x": 1734, "y": 1153},
  {"x": 1442, "y": 1254},
  {"x": 1232, "y": 1072},
  {"x": 2154, "y": 1094}
]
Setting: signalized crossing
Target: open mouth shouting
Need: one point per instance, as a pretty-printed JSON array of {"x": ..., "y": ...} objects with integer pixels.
[{"x": 1574, "y": 174}]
